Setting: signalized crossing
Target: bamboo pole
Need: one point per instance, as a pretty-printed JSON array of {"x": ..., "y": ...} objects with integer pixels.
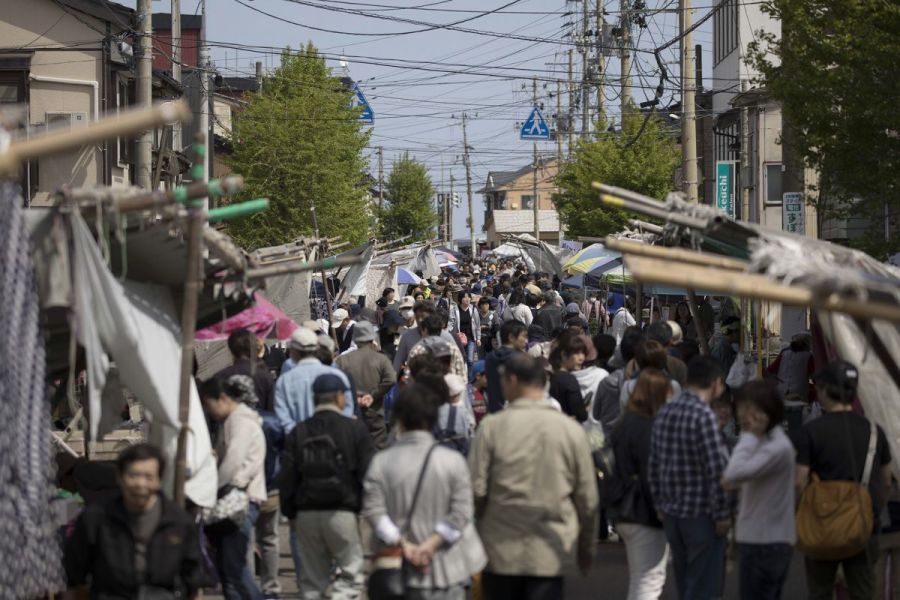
[
  {"x": 222, "y": 247},
  {"x": 188, "y": 328},
  {"x": 657, "y": 212},
  {"x": 132, "y": 199},
  {"x": 645, "y": 226},
  {"x": 751, "y": 285},
  {"x": 300, "y": 266},
  {"x": 126, "y": 124},
  {"x": 679, "y": 254}
]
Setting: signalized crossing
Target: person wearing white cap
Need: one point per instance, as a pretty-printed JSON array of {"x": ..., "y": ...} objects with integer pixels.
[
  {"x": 343, "y": 328},
  {"x": 293, "y": 390}
]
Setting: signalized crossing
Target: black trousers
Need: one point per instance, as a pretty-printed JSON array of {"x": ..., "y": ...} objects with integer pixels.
[{"x": 521, "y": 587}]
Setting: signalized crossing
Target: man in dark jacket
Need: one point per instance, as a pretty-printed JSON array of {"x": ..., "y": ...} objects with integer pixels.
[
  {"x": 325, "y": 461},
  {"x": 549, "y": 315},
  {"x": 514, "y": 337},
  {"x": 373, "y": 375},
  {"x": 138, "y": 543}
]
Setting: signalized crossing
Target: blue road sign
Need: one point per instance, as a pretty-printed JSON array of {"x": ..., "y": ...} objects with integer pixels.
[
  {"x": 367, "y": 115},
  {"x": 535, "y": 127}
]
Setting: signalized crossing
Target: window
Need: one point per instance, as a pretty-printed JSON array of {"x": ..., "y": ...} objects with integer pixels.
[
  {"x": 774, "y": 188},
  {"x": 725, "y": 30},
  {"x": 123, "y": 101},
  {"x": 14, "y": 71},
  {"x": 528, "y": 202}
]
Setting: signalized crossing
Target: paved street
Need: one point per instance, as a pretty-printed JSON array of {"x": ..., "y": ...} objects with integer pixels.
[{"x": 608, "y": 578}]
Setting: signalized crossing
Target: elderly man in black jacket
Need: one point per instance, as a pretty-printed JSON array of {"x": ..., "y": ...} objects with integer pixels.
[
  {"x": 138, "y": 545},
  {"x": 325, "y": 461}
]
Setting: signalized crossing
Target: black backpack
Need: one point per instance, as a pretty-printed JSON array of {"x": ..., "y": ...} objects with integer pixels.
[
  {"x": 323, "y": 472},
  {"x": 449, "y": 437}
]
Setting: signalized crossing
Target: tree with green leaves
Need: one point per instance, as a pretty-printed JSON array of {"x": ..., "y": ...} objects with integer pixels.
[
  {"x": 300, "y": 144},
  {"x": 409, "y": 209},
  {"x": 642, "y": 162},
  {"x": 833, "y": 67}
]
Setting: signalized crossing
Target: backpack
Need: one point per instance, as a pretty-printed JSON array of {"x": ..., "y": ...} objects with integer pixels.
[
  {"x": 834, "y": 518},
  {"x": 448, "y": 436},
  {"x": 323, "y": 472}
]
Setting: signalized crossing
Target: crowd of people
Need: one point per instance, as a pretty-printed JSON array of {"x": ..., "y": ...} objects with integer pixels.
[{"x": 482, "y": 431}]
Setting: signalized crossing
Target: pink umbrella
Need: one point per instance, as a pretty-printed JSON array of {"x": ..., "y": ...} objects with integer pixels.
[{"x": 264, "y": 319}]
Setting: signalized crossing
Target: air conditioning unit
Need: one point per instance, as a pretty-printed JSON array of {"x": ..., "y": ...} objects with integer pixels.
[{"x": 65, "y": 120}]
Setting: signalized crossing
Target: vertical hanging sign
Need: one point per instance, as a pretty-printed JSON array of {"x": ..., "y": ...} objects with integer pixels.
[
  {"x": 793, "y": 213},
  {"x": 725, "y": 180}
]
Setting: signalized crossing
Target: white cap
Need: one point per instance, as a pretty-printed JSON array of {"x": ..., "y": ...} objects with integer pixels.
[
  {"x": 338, "y": 316},
  {"x": 303, "y": 339}
]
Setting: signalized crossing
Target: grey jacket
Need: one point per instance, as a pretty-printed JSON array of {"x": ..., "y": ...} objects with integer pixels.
[
  {"x": 476, "y": 320},
  {"x": 445, "y": 506}
]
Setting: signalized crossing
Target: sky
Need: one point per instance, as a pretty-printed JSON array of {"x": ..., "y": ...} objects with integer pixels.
[{"x": 419, "y": 75}]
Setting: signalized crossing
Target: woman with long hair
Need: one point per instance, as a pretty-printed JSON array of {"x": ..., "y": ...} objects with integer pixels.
[
  {"x": 517, "y": 308},
  {"x": 685, "y": 321},
  {"x": 567, "y": 355},
  {"x": 632, "y": 512}
]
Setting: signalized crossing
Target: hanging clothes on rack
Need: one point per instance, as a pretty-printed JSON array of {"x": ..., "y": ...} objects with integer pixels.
[{"x": 32, "y": 559}]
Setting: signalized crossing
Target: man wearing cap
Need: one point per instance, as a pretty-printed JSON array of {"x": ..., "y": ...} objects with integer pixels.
[
  {"x": 412, "y": 337},
  {"x": 343, "y": 328},
  {"x": 293, "y": 390},
  {"x": 835, "y": 447},
  {"x": 442, "y": 349},
  {"x": 373, "y": 375},
  {"x": 325, "y": 461},
  {"x": 406, "y": 311}
]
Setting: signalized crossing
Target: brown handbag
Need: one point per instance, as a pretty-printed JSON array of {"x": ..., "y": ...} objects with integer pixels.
[{"x": 834, "y": 519}]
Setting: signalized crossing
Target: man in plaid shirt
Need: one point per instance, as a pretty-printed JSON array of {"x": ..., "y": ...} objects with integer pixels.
[{"x": 687, "y": 459}]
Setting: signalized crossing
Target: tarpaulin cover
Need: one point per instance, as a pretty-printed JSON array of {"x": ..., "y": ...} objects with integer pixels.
[
  {"x": 136, "y": 326},
  {"x": 264, "y": 320}
]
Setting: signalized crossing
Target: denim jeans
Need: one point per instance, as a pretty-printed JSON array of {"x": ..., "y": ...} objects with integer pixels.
[
  {"x": 647, "y": 552},
  {"x": 698, "y": 556},
  {"x": 763, "y": 570},
  {"x": 470, "y": 353},
  {"x": 231, "y": 542}
]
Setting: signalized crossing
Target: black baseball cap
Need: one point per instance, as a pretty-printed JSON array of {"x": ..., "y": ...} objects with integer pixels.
[
  {"x": 838, "y": 373},
  {"x": 327, "y": 383}
]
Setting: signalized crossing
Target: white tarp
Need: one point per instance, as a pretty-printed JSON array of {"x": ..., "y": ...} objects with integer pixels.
[
  {"x": 878, "y": 392},
  {"x": 354, "y": 282},
  {"x": 136, "y": 326},
  {"x": 290, "y": 292}
]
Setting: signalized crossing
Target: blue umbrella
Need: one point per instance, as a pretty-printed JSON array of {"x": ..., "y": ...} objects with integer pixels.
[{"x": 405, "y": 276}]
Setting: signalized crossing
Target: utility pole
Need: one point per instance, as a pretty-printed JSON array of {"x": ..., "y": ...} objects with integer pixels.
[
  {"x": 534, "y": 177},
  {"x": 443, "y": 206},
  {"x": 380, "y": 177},
  {"x": 745, "y": 160},
  {"x": 585, "y": 73},
  {"x": 559, "y": 140},
  {"x": 571, "y": 100},
  {"x": 144, "y": 145},
  {"x": 688, "y": 105},
  {"x": 450, "y": 212},
  {"x": 176, "y": 65},
  {"x": 601, "y": 62},
  {"x": 203, "y": 124},
  {"x": 469, "y": 187},
  {"x": 259, "y": 76},
  {"x": 625, "y": 24}
]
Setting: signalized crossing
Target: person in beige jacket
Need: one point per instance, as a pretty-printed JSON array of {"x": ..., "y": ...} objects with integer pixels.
[
  {"x": 535, "y": 488},
  {"x": 241, "y": 455}
]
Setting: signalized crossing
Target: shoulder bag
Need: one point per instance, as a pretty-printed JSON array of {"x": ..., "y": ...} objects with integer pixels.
[
  {"x": 388, "y": 578},
  {"x": 834, "y": 518}
]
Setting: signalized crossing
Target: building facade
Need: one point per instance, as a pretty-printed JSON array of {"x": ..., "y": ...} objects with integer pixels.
[
  {"x": 753, "y": 165},
  {"x": 509, "y": 203}
]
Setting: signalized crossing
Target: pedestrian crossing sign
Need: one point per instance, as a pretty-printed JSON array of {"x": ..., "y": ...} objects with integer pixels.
[
  {"x": 359, "y": 99},
  {"x": 535, "y": 127}
]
